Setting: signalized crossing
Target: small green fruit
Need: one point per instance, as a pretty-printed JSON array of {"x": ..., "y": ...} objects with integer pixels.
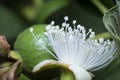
[{"x": 30, "y": 50}]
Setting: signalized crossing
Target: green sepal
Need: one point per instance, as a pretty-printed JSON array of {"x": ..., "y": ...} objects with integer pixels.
[
  {"x": 104, "y": 35},
  {"x": 30, "y": 51},
  {"x": 15, "y": 55}
]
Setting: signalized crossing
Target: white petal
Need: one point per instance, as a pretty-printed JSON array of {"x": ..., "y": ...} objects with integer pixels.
[
  {"x": 40, "y": 66},
  {"x": 80, "y": 73},
  {"x": 47, "y": 64}
]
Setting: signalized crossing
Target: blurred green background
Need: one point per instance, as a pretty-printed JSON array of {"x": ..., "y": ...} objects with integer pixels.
[{"x": 17, "y": 15}]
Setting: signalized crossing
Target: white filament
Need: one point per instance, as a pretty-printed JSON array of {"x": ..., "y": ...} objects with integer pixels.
[
  {"x": 40, "y": 43},
  {"x": 75, "y": 46}
]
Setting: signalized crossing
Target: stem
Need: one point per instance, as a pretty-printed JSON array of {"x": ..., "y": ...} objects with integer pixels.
[
  {"x": 11, "y": 72},
  {"x": 67, "y": 75},
  {"x": 100, "y": 6}
]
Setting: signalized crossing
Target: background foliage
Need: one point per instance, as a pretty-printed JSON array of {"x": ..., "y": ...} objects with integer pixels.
[{"x": 17, "y": 15}]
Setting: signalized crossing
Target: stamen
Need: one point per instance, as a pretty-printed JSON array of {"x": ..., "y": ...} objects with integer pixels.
[
  {"x": 41, "y": 44},
  {"x": 66, "y": 18},
  {"x": 67, "y": 25},
  {"x": 63, "y": 24},
  {"x": 48, "y": 27},
  {"x": 31, "y": 29},
  {"x": 92, "y": 35},
  {"x": 75, "y": 46},
  {"x": 57, "y": 27},
  {"x": 46, "y": 33},
  {"x": 101, "y": 40},
  {"x": 52, "y": 23},
  {"x": 108, "y": 41},
  {"x": 78, "y": 26},
  {"x": 70, "y": 29},
  {"x": 90, "y": 30},
  {"x": 74, "y": 21},
  {"x": 82, "y": 28}
]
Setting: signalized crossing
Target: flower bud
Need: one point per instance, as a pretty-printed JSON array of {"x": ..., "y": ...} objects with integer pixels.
[{"x": 4, "y": 46}]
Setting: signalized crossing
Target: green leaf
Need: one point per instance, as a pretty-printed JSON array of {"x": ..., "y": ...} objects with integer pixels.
[
  {"x": 50, "y": 7},
  {"x": 42, "y": 9}
]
